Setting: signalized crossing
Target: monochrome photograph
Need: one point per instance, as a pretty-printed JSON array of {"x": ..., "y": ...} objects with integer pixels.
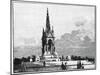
[{"x": 52, "y": 37}]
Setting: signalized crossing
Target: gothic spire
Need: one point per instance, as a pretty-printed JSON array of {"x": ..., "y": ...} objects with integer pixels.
[{"x": 47, "y": 22}]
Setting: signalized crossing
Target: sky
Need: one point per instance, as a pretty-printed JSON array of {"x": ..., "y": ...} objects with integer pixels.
[{"x": 30, "y": 19}]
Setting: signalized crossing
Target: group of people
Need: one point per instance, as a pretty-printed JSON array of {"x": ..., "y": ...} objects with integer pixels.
[
  {"x": 80, "y": 65},
  {"x": 64, "y": 66}
]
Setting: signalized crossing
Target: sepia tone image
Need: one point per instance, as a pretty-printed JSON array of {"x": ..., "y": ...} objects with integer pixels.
[{"x": 51, "y": 37}]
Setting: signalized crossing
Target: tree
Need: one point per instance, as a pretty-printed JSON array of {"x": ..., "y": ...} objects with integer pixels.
[
  {"x": 24, "y": 59},
  {"x": 33, "y": 58},
  {"x": 17, "y": 61},
  {"x": 62, "y": 58},
  {"x": 87, "y": 39},
  {"x": 28, "y": 58}
]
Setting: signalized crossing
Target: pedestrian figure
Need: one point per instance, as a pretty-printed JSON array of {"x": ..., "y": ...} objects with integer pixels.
[
  {"x": 63, "y": 67},
  {"x": 82, "y": 66},
  {"x": 66, "y": 65},
  {"x": 44, "y": 63},
  {"x": 79, "y": 65},
  {"x": 23, "y": 67}
]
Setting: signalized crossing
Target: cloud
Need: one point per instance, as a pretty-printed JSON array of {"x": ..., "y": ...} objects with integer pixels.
[
  {"x": 71, "y": 44},
  {"x": 86, "y": 25},
  {"x": 25, "y": 51},
  {"x": 80, "y": 21},
  {"x": 22, "y": 41}
]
